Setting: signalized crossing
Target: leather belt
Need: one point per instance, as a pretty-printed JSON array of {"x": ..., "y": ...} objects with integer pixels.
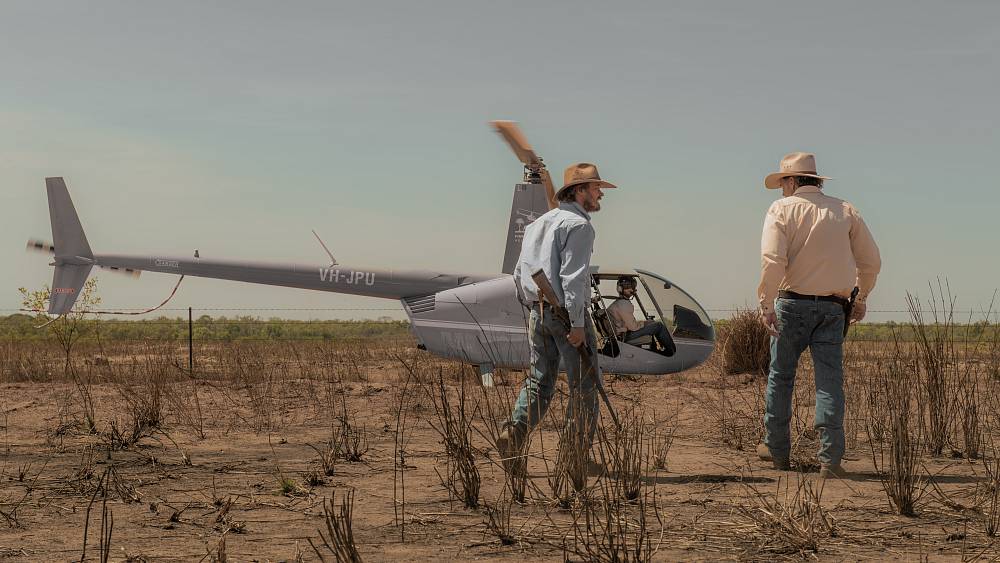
[
  {"x": 545, "y": 304},
  {"x": 786, "y": 294}
]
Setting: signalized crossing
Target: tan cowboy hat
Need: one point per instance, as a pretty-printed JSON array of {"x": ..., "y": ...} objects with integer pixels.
[
  {"x": 794, "y": 164},
  {"x": 582, "y": 173}
]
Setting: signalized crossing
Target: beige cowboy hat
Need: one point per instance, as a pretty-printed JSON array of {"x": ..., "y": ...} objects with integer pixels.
[
  {"x": 582, "y": 173},
  {"x": 794, "y": 164}
]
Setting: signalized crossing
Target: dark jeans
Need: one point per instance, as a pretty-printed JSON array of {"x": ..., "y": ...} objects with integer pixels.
[
  {"x": 657, "y": 331},
  {"x": 819, "y": 326}
]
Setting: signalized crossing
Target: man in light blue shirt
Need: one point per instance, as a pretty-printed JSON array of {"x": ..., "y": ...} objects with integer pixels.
[{"x": 560, "y": 243}]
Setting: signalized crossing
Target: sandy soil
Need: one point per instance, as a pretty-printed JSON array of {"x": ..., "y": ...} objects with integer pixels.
[{"x": 174, "y": 496}]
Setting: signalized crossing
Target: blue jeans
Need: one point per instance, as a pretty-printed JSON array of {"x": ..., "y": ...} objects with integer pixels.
[
  {"x": 818, "y": 325},
  {"x": 546, "y": 336}
]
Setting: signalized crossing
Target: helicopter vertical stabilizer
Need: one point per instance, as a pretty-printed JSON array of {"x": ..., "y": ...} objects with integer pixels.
[
  {"x": 532, "y": 198},
  {"x": 73, "y": 257},
  {"x": 530, "y": 202}
]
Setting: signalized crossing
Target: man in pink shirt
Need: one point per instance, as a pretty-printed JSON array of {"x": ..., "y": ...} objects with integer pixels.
[{"x": 815, "y": 250}]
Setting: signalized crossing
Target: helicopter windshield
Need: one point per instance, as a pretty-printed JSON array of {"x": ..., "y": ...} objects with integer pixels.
[{"x": 681, "y": 314}]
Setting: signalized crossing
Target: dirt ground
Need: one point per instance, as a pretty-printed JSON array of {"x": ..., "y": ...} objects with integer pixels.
[{"x": 253, "y": 488}]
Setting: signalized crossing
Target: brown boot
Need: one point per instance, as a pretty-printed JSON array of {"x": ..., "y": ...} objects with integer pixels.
[
  {"x": 510, "y": 442},
  {"x": 764, "y": 453},
  {"x": 833, "y": 470}
]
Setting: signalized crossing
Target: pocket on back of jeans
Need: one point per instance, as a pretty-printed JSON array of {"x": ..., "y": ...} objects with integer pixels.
[{"x": 831, "y": 329}]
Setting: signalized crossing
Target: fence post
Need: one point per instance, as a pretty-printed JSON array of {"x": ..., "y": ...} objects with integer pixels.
[{"x": 190, "y": 342}]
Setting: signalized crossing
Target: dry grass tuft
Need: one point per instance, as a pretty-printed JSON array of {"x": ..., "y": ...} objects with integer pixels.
[{"x": 746, "y": 345}]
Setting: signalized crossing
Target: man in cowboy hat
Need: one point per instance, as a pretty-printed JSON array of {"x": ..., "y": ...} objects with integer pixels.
[
  {"x": 560, "y": 243},
  {"x": 815, "y": 250}
]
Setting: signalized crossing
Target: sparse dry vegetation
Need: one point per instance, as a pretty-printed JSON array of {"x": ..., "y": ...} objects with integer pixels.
[{"x": 235, "y": 459}]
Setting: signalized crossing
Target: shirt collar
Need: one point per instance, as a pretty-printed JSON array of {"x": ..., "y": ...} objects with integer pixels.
[
  {"x": 808, "y": 190},
  {"x": 574, "y": 207}
]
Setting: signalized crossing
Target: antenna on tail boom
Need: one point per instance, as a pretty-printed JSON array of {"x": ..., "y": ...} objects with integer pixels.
[{"x": 333, "y": 261}]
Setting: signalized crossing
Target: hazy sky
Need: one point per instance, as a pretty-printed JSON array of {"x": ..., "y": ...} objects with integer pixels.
[{"x": 236, "y": 127}]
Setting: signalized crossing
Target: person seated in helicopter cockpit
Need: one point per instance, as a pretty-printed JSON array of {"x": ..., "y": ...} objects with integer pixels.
[{"x": 630, "y": 330}]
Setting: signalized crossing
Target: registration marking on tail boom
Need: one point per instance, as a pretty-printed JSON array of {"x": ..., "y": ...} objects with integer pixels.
[{"x": 355, "y": 277}]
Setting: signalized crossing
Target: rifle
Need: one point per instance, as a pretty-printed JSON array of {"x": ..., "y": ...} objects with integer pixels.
[
  {"x": 848, "y": 308},
  {"x": 547, "y": 294}
]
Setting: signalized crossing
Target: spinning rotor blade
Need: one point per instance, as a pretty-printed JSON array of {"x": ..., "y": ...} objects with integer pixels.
[
  {"x": 522, "y": 149},
  {"x": 123, "y": 271},
  {"x": 550, "y": 190},
  {"x": 518, "y": 142},
  {"x": 46, "y": 247}
]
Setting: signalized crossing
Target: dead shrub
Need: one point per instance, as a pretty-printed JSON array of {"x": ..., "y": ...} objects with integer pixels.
[
  {"x": 327, "y": 456},
  {"x": 261, "y": 380},
  {"x": 895, "y": 434},
  {"x": 624, "y": 451},
  {"x": 338, "y": 539},
  {"x": 568, "y": 476},
  {"x": 736, "y": 415},
  {"x": 609, "y": 528},
  {"x": 746, "y": 344},
  {"x": 185, "y": 403},
  {"x": 107, "y": 519},
  {"x": 989, "y": 492},
  {"x": 496, "y": 517},
  {"x": 352, "y": 441},
  {"x": 786, "y": 524},
  {"x": 495, "y": 405},
  {"x": 141, "y": 386},
  {"x": 454, "y": 426}
]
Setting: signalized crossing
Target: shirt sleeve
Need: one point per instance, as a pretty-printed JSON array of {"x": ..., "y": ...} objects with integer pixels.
[
  {"x": 518, "y": 286},
  {"x": 866, "y": 255},
  {"x": 574, "y": 272},
  {"x": 773, "y": 258}
]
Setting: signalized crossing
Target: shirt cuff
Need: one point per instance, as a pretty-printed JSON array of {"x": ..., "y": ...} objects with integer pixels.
[{"x": 766, "y": 306}]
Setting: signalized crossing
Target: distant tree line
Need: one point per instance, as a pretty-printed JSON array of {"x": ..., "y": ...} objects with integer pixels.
[
  {"x": 981, "y": 331},
  {"x": 205, "y": 327},
  {"x": 224, "y": 329}
]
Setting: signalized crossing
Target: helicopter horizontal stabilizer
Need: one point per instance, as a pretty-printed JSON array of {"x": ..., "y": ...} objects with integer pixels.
[{"x": 67, "y": 282}]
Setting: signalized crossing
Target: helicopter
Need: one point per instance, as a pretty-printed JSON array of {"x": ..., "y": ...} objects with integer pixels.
[{"x": 476, "y": 319}]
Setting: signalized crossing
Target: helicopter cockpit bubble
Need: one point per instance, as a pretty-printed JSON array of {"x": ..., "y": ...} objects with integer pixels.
[
  {"x": 681, "y": 314},
  {"x": 656, "y": 298}
]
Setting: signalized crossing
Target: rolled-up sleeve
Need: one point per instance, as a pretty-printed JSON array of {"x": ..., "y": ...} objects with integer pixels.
[
  {"x": 773, "y": 258},
  {"x": 866, "y": 255},
  {"x": 574, "y": 271}
]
